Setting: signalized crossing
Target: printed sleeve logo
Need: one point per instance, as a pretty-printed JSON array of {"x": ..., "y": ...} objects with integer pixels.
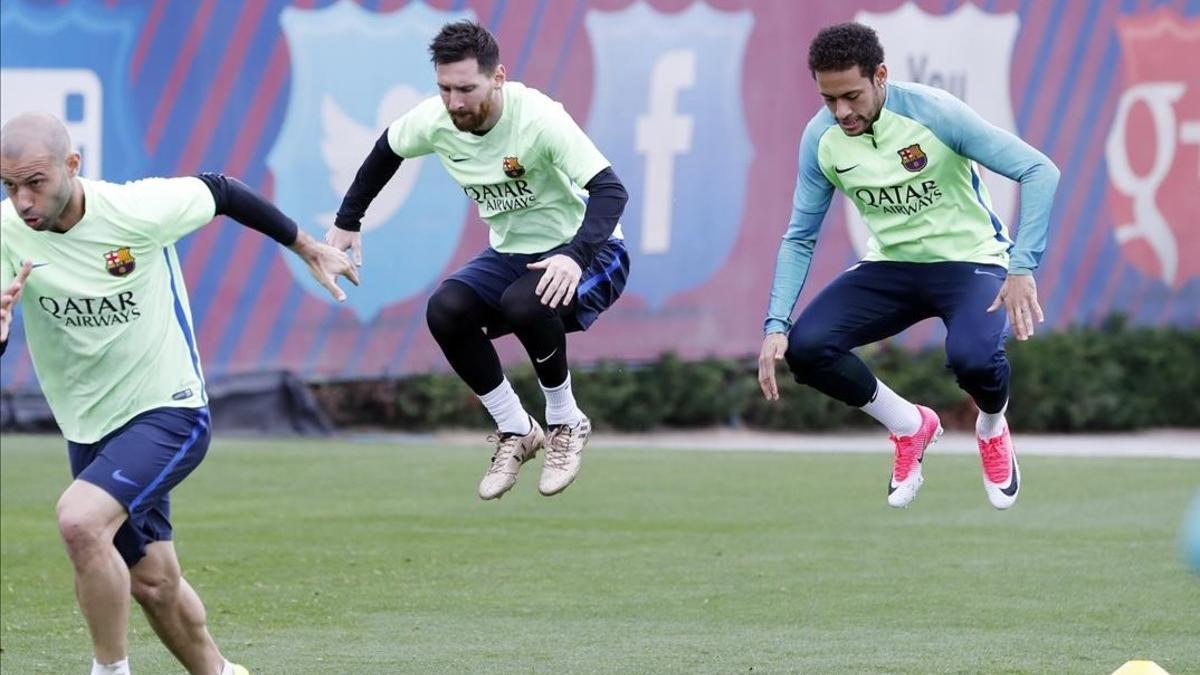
[
  {"x": 513, "y": 168},
  {"x": 913, "y": 157},
  {"x": 120, "y": 262}
]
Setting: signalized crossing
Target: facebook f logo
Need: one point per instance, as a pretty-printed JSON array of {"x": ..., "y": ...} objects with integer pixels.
[
  {"x": 662, "y": 134},
  {"x": 677, "y": 140}
]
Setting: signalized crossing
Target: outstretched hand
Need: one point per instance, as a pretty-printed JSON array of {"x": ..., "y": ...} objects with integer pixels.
[
  {"x": 345, "y": 240},
  {"x": 9, "y": 299},
  {"x": 326, "y": 264},
  {"x": 1018, "y": 295},
  {"x": 559, "y": 281}
]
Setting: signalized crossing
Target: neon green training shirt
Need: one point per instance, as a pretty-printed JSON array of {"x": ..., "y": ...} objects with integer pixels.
[
  {"x": 914, "y": 179},
  {"x": 106, "y": 314},
  {"x": 524, "y": 173}
]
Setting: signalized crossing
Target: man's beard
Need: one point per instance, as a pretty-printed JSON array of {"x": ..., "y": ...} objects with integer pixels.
[{"x": 468, "y": 121}]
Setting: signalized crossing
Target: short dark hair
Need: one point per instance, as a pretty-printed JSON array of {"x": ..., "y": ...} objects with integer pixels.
[
  {"x": 463, "y": 40},
  {"x": 843, "y": 46}
]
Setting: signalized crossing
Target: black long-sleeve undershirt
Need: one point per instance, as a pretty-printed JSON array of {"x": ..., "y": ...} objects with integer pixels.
[
  {"x": 606, "y": 201},
  {"x": 376, "y": 170},
  {"x": 236, "y": 200}
]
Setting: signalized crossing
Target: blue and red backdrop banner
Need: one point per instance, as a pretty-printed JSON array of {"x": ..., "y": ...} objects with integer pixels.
[{"x": 699, "y": 106}]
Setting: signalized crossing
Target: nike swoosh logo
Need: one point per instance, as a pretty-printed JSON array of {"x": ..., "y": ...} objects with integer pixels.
[
  {"x": 458, "y": 159},
  {"x": 838, "y": 169},
  {"x": 547, "y": 358},
  {"x": 920, "y": 460},
  {"x": 37, "y": 265},
  {"x": 892, "y": 484},
  {"x": 1011, "y": 490},
  {"x": 116, "y": 475},
  {"x": 987, "y": 274}
]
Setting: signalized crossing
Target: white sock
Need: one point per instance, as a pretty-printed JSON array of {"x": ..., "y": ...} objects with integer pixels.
[
  {"x": 989, "y": 425},
  {"x": 897, "y": 414},
  {"x": 560, "y": 404},
  {"x": 227, "y": 668},
  {"x": 504, "y": 407},
  {"x": 119, "y": 668}
]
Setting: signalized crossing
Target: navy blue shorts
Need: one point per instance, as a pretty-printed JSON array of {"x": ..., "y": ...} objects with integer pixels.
[
  {"x": 139, "y": 464},
  {"x": 876, "y": 300},
  {"x": 491, "y": 273}
]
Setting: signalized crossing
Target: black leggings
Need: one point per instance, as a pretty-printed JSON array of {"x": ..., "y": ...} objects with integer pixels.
[{"x": 464, "y": 325}]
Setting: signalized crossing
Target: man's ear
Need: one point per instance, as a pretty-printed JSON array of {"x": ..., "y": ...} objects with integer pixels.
[{"x": 73, "y": 163}]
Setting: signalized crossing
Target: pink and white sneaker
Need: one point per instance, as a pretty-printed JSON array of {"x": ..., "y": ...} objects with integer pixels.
[
  {"x": 910, "y": 452},
  {"x": 1001, "y": 475}
]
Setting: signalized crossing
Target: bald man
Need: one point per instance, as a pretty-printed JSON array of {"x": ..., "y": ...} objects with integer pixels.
[{"x": 109, "y": 329}]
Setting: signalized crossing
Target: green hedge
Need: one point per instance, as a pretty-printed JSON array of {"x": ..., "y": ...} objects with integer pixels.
[{"x": 1111, "y": 377}]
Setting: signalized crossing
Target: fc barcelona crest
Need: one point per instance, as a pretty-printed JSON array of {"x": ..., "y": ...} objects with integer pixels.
[
  {"x": 913, "y": 157},
  {"x": 120, "y": 262},
  {"x": 513, "y": 168}
]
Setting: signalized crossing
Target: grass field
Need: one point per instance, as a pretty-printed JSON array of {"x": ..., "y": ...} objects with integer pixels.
[{"x": 342, "y": 557}]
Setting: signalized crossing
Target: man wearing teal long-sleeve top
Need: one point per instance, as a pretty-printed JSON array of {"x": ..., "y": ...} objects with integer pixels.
[{"x": 907, "y": 156}]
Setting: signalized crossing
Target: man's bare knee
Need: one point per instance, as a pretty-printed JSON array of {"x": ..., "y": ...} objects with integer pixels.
[
  {"x": 81, "y": 534},
  {"x": 87, "y": 520}
]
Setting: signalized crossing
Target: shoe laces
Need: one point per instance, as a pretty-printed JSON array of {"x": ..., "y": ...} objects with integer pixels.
[
  {"x": 993, "y": 452},
  {"x": 558, "y": 446},
  {"x": 908, "y": 451},
  {"x": 507, "y": 445}
]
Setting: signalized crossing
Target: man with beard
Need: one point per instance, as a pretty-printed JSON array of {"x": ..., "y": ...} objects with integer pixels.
[
  {"x": 554, "y": 263},
  {"x": 906, "y": 155}
]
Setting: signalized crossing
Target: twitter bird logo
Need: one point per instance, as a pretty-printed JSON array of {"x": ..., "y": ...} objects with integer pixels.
[
  {"x": 345, "y": 142},
  {"x": 355, "y": 71}
]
